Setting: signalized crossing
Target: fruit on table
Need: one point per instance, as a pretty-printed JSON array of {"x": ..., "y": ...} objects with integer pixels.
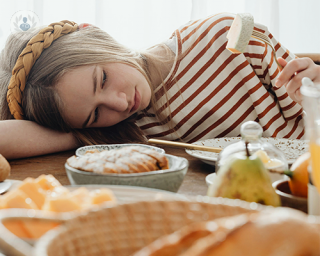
[
  {"x": 79, "y": 199},
  {"x": 47, "y": 194},
  {"x": 33, "y": 191},
  {"x": 299, "y": 178},
  {"x": 267, "y": 161},
  {"x": 298, "y": 174},
  {"x": 31, "y": 228},
  {"x": 244, "y": 177},
  {"x": 4, "y": 168},
  {"x": 17, "y": 199}
]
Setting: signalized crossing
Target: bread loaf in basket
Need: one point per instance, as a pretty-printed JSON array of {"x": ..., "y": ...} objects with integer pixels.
[
  {"x": 125, "y": 229},
  {"x": 279, "y": 231}
]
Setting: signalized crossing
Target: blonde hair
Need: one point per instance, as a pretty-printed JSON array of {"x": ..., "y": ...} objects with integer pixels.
[{"x": 40, "y": 101}]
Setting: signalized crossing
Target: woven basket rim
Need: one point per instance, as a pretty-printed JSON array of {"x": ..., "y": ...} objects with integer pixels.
[{"x": 45, "y": 240}]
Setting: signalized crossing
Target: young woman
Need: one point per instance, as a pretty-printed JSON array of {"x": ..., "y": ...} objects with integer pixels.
[{"x": 73, "y": 86}]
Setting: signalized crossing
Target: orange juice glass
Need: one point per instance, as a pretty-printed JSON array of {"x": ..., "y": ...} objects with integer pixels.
[
  {"x": 311, "y": 105},
  {"x": 315, "y": 163}
]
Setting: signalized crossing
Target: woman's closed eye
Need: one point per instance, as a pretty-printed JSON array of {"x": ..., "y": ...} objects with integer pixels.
[
  {"x": 96, "y": 115},
  {"x": 96, "y": 111},
  {"x": 104, "y": 79}
]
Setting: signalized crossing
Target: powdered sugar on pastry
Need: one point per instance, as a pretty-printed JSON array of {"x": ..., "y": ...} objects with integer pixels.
[{"x": 131, "y": 159}]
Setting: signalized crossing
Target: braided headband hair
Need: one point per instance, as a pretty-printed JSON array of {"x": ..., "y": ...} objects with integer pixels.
[{"x": 28, "y": 57}]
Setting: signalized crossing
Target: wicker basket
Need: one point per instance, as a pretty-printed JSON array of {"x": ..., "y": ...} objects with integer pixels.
[{"x": 124, "y": 229}]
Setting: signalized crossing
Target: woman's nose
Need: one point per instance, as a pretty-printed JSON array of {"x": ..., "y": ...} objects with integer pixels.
[{"x": 115, "y": 101}]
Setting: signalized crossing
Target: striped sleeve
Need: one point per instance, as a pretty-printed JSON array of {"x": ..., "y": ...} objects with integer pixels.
[{"x": 267, "y": 70}]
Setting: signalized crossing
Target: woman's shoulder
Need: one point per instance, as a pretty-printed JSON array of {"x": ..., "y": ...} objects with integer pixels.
[{"x": 207, "y": 23}]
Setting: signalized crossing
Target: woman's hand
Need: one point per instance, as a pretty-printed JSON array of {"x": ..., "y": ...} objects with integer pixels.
[{"x": 292, "y": 74}]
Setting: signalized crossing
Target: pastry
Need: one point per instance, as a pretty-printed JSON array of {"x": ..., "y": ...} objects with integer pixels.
[
  {"x": 272, "y": 232},
  {"x": 131, "y": 159}
]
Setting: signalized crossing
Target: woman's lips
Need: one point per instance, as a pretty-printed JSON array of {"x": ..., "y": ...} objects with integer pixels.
[{"x": 137, "y": 100}]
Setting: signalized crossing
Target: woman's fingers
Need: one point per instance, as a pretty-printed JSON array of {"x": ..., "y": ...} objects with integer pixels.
[
  {"x": 282, "y": 62},
  {"x": 298, "y": 96},
  {"x": 292, "y": 74},
  {"x": 295, "y": 82},
  {"x": 293, "y": 86},
  {"x": 291, "y": 68}
]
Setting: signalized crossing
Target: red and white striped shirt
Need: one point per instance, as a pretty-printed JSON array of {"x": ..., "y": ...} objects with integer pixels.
[{"x": 210, "y": 92}]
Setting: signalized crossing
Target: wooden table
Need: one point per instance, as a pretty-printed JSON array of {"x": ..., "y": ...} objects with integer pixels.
[{"x": 193, "y": 183}]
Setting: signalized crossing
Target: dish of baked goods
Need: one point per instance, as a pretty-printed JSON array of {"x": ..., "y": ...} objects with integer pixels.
[
  {"x": 131, "y": 159},
  {"x": 129, "y": 166}
]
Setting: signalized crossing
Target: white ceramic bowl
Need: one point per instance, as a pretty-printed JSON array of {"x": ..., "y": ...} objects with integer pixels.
[
  {"x": 82, "y": 150},
  {"x": 287, "y": 199},
  {"x": 210, "y": 178},
  {"x": 169, "y": 179}
]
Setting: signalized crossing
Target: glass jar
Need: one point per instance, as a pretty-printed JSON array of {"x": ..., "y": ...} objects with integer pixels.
[
  {"x": 272, "y": 157},
  {"x": 311, "y": 105}
]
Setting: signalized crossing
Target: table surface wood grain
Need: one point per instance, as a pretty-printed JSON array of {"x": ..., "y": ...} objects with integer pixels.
[{"x": 193, "y": 183}]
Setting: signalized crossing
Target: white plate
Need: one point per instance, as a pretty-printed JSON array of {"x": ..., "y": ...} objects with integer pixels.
[
  {"x": 291, "y": 148},
  {"x": 5, "y": 186},
  {"x": 14, "y": 184},
  {"x": 82, "y": 150},
  {"x": 129, "y": 194}
]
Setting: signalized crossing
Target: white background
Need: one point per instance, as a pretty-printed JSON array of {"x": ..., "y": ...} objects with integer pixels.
[{"x": 142, "y": 23}]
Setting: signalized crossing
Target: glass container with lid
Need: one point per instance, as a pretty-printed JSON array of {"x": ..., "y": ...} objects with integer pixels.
[{"x": 272, "y": 157}]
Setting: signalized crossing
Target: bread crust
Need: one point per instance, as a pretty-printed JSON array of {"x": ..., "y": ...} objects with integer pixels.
[{"x": 279, "y": 231}]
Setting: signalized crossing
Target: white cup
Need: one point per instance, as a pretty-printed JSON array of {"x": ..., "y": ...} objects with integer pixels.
[
  {"x": 313, "y": 196},
  {"x": 313, "y": 200}
]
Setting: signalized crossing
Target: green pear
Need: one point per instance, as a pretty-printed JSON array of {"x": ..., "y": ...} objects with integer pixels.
[{"x": 244, "y": 177}]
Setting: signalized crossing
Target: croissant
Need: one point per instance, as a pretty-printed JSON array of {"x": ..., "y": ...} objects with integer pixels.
[
  {"x": 280, "y": 231},
  {"x": 131, "y": 159}
]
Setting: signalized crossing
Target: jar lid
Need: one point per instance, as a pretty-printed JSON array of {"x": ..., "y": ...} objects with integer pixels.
[{"x": 251, "y": 132}]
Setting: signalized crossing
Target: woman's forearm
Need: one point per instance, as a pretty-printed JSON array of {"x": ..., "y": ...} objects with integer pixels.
[{"x": 21, "y": 138}]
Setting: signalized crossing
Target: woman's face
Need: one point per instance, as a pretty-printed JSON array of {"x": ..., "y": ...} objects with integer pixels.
[{"x": 102, "y": 95}]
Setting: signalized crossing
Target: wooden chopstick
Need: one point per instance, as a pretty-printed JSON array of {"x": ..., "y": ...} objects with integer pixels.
[{"x": 184, "y": 145}]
